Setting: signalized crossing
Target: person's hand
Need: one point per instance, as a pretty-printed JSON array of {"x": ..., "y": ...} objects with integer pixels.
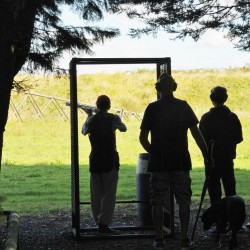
[
  {"x": 209, "y": 165},
  {"x": 88, "y": 111},
  {"x": 207, "y": 168}
]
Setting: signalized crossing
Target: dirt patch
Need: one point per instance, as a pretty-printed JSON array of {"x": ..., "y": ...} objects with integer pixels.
[{"x": 53, "y": 232}]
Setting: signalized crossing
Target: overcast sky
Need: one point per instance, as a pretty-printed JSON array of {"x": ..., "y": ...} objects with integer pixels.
[{"x": 212, "y": 51}]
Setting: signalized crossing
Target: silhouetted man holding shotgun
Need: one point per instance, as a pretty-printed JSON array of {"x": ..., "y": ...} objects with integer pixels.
[
  {"x": 224, "y": 128},
  {"x": 168, "y": 120},
  {"x": 103, "y": 161}
]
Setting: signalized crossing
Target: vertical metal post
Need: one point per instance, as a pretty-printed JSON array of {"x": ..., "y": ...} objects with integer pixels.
[
  {"x": 169, "y": 221},
  {"x": 74, "y": 152},
  {"x": 169, "y": 69}
]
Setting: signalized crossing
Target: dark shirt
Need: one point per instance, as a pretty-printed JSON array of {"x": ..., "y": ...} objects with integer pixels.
[
  {"x": 101, "y": 129},
  {"x": 224, "y": 128},
  {"x": 168, "y": 121}
]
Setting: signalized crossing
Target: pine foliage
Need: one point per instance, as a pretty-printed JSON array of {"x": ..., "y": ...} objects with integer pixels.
[{"x": 190, "y": 18}]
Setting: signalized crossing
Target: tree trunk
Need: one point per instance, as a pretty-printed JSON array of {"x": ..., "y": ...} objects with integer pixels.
[
  {"x": 6, "y": 66},
  {"x": 16, "y": 30},
  {"x": 4, "y": 108},
  {"x": 6, "y": 80}
]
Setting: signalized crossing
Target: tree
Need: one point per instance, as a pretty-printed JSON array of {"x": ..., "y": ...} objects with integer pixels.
[
  {"x": 32, "y": 34},
  {"x": 193, "y": 18}
]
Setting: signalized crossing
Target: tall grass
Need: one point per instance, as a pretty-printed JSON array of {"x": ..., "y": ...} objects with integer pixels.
[
  {"x": 130, "y": 91},
  {"x": 134, "y": 90},
  {"x": 36, "y": 171}
]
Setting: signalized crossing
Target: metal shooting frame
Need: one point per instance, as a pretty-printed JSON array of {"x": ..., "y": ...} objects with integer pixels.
[{"x": 163, "y": 65}]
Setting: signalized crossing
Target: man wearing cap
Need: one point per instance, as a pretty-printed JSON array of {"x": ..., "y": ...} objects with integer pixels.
[
  {"x": 103, "y": 161},
  {"x": 224, "y": 128},
  {"x": 168, "y": 120}
]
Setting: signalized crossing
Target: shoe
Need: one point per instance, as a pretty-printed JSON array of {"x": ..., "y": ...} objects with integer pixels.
[
  {"x": 212, "y": 231},
  {"x": 245, "y": 228},
  {"x": 187, "y": 244},
  {"x": 158, "y": 244},
  {"x": 104, "y": 229}
]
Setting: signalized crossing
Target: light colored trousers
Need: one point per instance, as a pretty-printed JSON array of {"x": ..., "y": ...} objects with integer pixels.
[{"x": 103, "y": 188}]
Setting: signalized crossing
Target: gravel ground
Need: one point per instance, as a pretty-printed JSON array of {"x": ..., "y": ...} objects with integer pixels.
[{"x": 53, "y": 232}]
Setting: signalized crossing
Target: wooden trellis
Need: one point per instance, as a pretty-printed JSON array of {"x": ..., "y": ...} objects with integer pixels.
[
  {"x": 37, "y": 106},
  {"x": 40, "y": 106}
]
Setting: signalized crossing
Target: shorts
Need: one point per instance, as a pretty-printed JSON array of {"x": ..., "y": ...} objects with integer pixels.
[{"x": 179, "y": 181}]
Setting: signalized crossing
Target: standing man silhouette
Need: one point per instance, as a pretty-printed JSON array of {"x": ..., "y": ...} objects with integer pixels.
[{"x": 168, "y": 120}]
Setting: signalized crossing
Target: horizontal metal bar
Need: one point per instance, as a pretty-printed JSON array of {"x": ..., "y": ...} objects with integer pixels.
[
  {"x": 117, "y": 236},
  {"x": 139, "y": 232},
  {"x": 89, "y": 61},
  {"x": 125, "y": 228},
  {"x": 117, "y": 202}
]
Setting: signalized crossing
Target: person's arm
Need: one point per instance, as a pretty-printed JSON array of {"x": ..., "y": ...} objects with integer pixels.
[
  {"x": 144, "y": 140},
  {"x": 85, "y": 126},
  {"x": 205, "y": 129},
  {"x": 237, "y": 130},
  {"x": 118, "y": 124},
  {"x": 200, "y": 141}
]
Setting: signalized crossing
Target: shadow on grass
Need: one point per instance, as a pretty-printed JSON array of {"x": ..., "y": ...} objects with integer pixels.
[{"x": 43, "y": 188}]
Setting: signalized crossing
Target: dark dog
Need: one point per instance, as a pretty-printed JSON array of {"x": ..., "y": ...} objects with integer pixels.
[{"x": 228, "y": 214}]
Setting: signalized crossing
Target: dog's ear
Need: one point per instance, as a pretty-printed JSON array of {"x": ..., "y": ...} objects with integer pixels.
[
  {"x": 216, "y": 206},
  {"x": 216, "y": 209},
  {"x": 209, "y": 216}
]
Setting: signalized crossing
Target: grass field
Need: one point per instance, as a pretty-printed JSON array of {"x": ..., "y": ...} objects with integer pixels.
[
  {"x": 42, "y": 188},
  {"x": 36, "y": 172}
]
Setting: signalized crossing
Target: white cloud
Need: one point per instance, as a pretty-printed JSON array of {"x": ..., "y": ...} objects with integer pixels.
[
  {"x": 213, "y": 38},
  {"x": 211, "y": 51}
]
